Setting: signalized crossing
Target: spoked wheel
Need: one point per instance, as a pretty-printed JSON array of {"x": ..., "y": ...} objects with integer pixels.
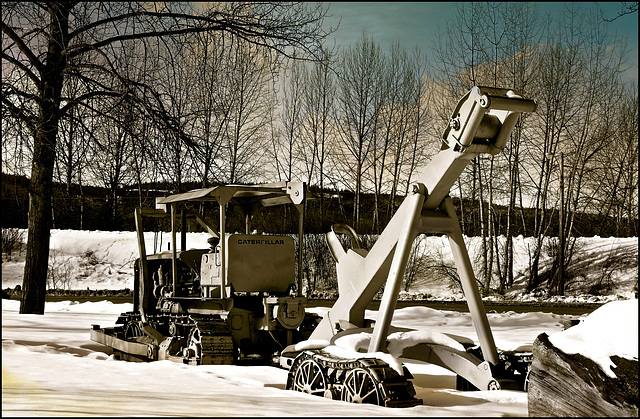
[
  {"x": 493, "y": 385},
  {"x": 309, "y": 378},
  {"x": 525, "y": 385},
  {"x": 360, "y": 387}
]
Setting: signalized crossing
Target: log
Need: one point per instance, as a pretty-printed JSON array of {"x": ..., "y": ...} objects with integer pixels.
[{"x": 562, "y": 384}]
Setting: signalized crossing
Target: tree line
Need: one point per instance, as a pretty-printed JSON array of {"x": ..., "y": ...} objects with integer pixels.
[
  {"x": 127, "y": 95},
  {"x": 91, "y": 210},
  {"x": 577, "y": 152}
]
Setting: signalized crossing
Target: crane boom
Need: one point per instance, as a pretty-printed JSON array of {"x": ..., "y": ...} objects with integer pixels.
[{"x": 480, "y": 124}]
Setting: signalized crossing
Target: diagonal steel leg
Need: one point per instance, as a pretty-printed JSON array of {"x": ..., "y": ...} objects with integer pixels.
[{"x": 469, "y": 286}]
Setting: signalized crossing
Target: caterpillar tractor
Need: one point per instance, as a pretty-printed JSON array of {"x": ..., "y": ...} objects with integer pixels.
[
  {"x": 233, "y": 302},
  {"x": 480, "y": 124}
]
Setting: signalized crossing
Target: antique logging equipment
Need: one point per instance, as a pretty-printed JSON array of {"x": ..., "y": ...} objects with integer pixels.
[{"x": 234, "y": 302}]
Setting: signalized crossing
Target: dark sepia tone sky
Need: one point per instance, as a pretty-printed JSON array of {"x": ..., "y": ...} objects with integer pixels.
[{"x": 416, "y": 23}]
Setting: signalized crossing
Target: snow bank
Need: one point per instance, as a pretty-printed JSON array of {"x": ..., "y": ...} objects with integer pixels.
[
  {"x": 311, "y": 344},
  {"x": 80, "y": 259},
  {"x": 609, "y": 330},
  {"x": 116, "y": 247},
  {"x": 398, "y": 341},
  {"x": 98, "y": 307},
  {"x": 104, "y": 260}
]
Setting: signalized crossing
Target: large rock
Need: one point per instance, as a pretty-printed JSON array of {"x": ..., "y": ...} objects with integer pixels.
[{"x": 574, "y": 385}]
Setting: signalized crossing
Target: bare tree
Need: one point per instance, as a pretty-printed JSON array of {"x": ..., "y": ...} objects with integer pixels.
[
  {"x": 319, "y": 107},
  {"x": 574, "y": 122},
  {"x": 250, "y": 99},
  {"x": 172, "y": 88},
  {"x": 17, "y": 145},
  {"x": 111, "y": 163},
  {"x": 210, "y": 58},
  {"x": 398, "y": 116},
  {"x": 558, "y": 76},
  {"x": 589, "y": 134},
  {"x": 459, "y": 47},
  {"x": 284, "y": 146},
  {"x": 406, "y": 123},
  {"x": 524, "y": 30},
  {"x": 358, "y": 84},
  {"x": 385, "y": 109},
  {"x": 626, "y": 8},
  {"x": 420, "y": 145},
  {"x": 616, "y": 176},
  {"x": 44, "y": 45}
]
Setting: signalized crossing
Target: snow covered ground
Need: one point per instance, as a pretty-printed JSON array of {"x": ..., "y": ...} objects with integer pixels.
[
  {"x": 51, "y": 367},
  {"x": 104, "y": 260}
]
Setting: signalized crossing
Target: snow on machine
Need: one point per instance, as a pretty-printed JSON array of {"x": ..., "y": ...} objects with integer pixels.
[{"x": 234, "y": 301}]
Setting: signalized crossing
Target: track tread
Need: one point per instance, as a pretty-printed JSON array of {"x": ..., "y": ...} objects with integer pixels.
[
  {"x": 216, "y": 341},
  {"x": 395, "y": 389}
]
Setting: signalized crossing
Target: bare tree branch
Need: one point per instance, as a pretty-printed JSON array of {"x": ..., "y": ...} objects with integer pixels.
[{"x": 626, "y": 8}]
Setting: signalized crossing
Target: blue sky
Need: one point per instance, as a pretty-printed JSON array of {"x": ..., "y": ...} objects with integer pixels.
[{"x": 416, "y": 23}]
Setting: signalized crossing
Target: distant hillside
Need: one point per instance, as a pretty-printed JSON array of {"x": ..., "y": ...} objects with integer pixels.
[{"x": 92, "y": 208}]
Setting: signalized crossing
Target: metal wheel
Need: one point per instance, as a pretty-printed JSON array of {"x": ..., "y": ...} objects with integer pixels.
[
  {"x": 309, "y": 378},
  {"x": 132, "y": 330},
  {"x": 493, "y": 385},
  {"x": 174, "y": 329},
  {"x": 360, "y": 387},
  {"x": 526, "y": 381}
]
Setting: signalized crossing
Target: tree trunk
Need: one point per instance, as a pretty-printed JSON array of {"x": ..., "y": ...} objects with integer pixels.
[
  {"x": 485, "y": 277},
  {"x": 356, "y": 198},
  {"x": 573, "y": 385},
  {"x": 561, "y": 236},
  {"x": 39, "y": 225},
  {"x": 34, "y": 283},
  {"x": 463, "y": 220}
]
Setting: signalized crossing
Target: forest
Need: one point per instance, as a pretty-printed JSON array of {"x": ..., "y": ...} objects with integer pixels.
[
  {"x": 91, "y": 209},
  {"x": 162, "y": 98}
]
